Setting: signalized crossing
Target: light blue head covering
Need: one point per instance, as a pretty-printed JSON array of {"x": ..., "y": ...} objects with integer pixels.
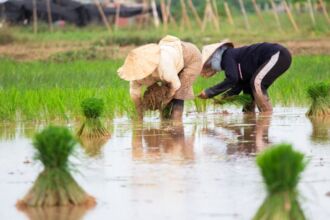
[{"x": 216, "y": 59}]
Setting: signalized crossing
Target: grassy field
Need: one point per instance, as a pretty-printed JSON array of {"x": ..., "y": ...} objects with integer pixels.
[
  {"x": 47, "y": 90},
  {"x": 265, "y": 30}
]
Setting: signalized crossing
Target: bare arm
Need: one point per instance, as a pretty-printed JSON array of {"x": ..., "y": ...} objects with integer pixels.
[{"x": 136, "y": 96}]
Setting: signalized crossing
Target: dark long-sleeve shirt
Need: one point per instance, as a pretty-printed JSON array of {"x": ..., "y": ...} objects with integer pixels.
[{"x": 241, "y": 63}]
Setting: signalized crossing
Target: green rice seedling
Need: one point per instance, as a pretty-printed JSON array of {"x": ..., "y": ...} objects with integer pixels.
[
  {"x": 92, "y": 127},
  {"x": 234, "y": 100},
  {"x": 55, "y": 185},
  {"x": 281, "y": 167},
  {"x": 320, "y": 95}
]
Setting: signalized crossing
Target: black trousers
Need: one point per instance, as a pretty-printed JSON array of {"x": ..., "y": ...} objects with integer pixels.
[
  {"x": 262, "y": 79},
  {"x": 269, "y": 71}
]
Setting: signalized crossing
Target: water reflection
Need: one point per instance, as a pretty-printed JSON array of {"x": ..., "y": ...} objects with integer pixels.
[
  {"x": 321, "y": 129},
  {"x": 93, "y": 146},
  {"x": 252, "y": 135},
  {"x": 8, "y": 131},
  {"x": 56, "y": 213},
  {"x": 247, "y": 136},
  {"x": 163, "y": 142}
]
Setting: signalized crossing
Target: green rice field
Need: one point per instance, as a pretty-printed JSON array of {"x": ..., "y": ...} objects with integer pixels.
[{"x": 40, "y": 91}]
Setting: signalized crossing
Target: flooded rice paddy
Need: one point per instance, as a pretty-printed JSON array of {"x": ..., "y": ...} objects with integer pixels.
[{"x": 202, "y": 169}]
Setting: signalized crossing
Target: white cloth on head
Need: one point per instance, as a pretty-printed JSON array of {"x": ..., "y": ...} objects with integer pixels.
[{"x": 217, "y": 58}]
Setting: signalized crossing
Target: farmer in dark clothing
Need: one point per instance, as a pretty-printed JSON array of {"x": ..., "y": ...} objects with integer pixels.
[{"x": 251, "y": 69}]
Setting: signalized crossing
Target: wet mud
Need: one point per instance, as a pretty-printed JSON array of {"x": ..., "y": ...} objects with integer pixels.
[{"x": 201, "y": 169}]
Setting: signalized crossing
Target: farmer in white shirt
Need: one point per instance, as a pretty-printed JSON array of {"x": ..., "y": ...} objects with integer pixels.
[{"x": 172, "y": 62}]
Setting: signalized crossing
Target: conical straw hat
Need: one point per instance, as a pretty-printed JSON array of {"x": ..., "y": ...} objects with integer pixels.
[
  {"x": 140, "y": 62},
  {"x": 207, "y": 53}
]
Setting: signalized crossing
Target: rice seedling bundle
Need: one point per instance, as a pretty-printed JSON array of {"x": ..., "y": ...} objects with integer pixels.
[
  {"x": 233, "y": 100},
  {"x": 154, "y": 97},
  {"x": 55, "y": 185},
  {"x": 320, "y": 95},
  {"x": 281, "y": 167},
  {"x": 92, "y": 127}
]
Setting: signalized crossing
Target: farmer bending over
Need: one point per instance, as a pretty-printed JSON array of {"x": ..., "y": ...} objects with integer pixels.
[
  {"x": 171, "y": 64},
  {"x": 250, "y": 68}
]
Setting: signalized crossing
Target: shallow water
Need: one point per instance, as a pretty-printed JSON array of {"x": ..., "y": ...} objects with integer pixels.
[{"x": 204, "y": 169}]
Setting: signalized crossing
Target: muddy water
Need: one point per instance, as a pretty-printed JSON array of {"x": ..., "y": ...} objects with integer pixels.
[{"x": 204, "y": 169}]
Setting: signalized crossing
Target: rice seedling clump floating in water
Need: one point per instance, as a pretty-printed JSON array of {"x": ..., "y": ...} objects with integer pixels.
[
  {"x": 320, "y": 95},
  {"x": 55, "y": 186},
  {"x": 281, "y": 167},
  {"x": 92, "y": 126}
]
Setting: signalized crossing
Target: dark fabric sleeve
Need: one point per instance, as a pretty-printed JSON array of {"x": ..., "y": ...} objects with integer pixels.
[
  {"x": 231, "y": 72},
  {"x": 236, "y": 90}
]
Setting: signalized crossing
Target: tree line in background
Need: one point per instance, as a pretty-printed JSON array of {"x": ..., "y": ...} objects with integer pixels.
[
  {"x": 185, "y": 13},
  {"x": 211, "y": 10}
]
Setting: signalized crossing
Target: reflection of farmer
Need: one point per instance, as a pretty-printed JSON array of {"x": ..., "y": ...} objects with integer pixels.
[
  {"x": 252, "y": 134},
  {"x": 251, "y": 69},
  {"x": 252, "y": 138},
  {"x": 163, "y": 144},
  {"x": 172, "y": 63}
]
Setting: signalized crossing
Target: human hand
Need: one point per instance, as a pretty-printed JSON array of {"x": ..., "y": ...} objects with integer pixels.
[{"x": 203, "y": 95}]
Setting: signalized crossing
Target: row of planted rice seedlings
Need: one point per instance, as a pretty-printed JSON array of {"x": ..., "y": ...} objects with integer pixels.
[
  {"x": 37, "y": 74},
  {"x": 41, "y": 91},
  {"x": 33, "y": 93},
  {"x": 48, "y": 104}
]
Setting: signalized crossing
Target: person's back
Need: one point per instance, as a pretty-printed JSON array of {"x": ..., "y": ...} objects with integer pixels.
[{"x": 251, "y": 57}]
